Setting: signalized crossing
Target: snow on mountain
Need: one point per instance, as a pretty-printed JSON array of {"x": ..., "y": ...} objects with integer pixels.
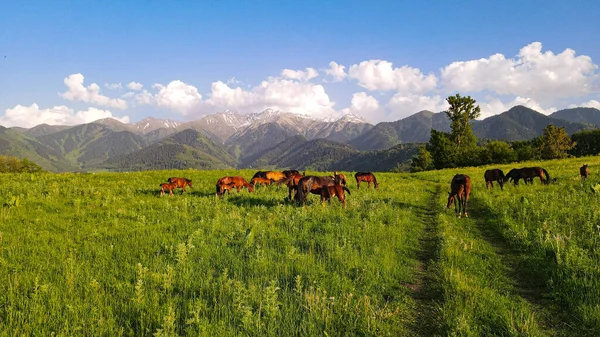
[{"x": 150, "y": 124}]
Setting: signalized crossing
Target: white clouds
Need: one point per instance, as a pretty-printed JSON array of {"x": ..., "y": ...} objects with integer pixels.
[
  {"x": 494, "y": 106},
  {"x": 301, "y": 75},
  {"x": 382, "y": 76},
  {"x": 542, "y": 76},
  {"x": 90, "y": 94},
  {"x": 365, "y": 106},
  {"x": 336, "y": 71},
  {"x": 113, "y": 86},
  {"x": 135, "y": 86},
  {"x": 281, "y": 94},
  {"x": 178, "y": 96},
  {"x": 402, "y": 106},
  {"x": 29, "y": 116},
  {"x": 589, "y": 104}
]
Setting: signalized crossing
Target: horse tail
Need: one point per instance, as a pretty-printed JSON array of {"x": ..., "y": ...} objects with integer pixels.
[
  {"x": 547, "y": 176},
  {"x": 346, "y": 189}
]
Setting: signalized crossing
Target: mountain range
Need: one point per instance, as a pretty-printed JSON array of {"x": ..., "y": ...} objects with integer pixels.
[{"x": 270, "y": 139}]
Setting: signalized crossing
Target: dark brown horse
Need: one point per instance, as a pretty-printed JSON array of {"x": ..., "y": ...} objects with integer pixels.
[
  {"x": 493, "y": 175},
  {"x": 167, "y": 187},
  {"x": 289, "y": 173},
  {"x": 181, "y": 183},
  {"x": 328, "y": 192},
  {"x": 366, "y": 177},
  {"x": 235, "y": 182},
  {"x": 460, "y": 189},
  {"x": 311, "y": 184},
  {"x": 527, "y": 174},
  {"x": 291, "y": 182},
  {"x": 584, "y": 172}
]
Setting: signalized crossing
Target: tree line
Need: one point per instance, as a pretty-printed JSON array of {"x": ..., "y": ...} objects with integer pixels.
[
  {"x": 459, "y": 147},
  {"x": 10, "y": 164}
]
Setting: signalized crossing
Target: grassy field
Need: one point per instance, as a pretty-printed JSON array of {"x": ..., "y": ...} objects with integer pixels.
[{"x": 103, "y": 254}]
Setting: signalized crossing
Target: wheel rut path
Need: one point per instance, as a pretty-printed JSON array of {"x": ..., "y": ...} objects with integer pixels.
[{"x": 426, "y": 287}]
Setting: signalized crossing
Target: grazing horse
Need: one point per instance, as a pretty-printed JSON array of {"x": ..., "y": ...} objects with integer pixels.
[
  {"x": 493, "y": 175},
  {"x": 274, "y": 175},
  {"x": 291, "y": 182},
  {"x": 167, "y": 187},
  {"x": 584, "y": 172},
  {"x": 340, "y": 179},
  {"x": 259, "y": 174},
  {"x": 460, "y": 188},
  {"x": 310, "y": 184},
  {"x": 328, "y": 192},
  {"x": 260, "y": 181},
  {"x": 527, "y": 174},
  {"x": 289, "y": 173},
  {"x": 237, "y": 182},
  {"x": 366, "y": 177},
  {"x": 181, "y": 183}
]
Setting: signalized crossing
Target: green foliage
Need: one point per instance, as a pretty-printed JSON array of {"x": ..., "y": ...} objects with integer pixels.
[
  {"x": 443, "y": 151},
  {"x": 10, "y": 164},
  {"x": 422, "y": 161},
  {"x": 461, "y": 112},
  {"x": 555, "y": 143},
  {"x": 587, "y": 143},
  {"x": 498, "y": 152}
]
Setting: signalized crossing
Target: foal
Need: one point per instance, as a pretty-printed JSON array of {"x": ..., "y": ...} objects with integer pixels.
[{"x": 460, "y": 188}]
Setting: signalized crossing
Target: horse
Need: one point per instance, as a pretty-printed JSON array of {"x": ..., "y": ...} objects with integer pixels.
[
  {"x": 260, "y": 181},
  {"x": 181, "y": 182},
  {"x": 327, "y": 192},
  {"x": 308, "y": 184},
  {"x": 340, "y": 178},
  {"x": 167, "y": 187},
  {"x": 527, "y": 174},
  {"x": 224, "y": 188},
  {"x": 275, "y": 175},
  {"x": 237, "y": 182},
  {"x": 460, "y": 189},
  {"x": 584, "y": 172},
  {"x": 289, "y": 173},
  {"x": 291, "y": 182},
  {"x": 493, "y": 175},
  {"x": 366, "y": 177}
]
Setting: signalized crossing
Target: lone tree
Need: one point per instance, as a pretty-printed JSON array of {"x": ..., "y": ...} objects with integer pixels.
[
  {"x": 555, "y": 143},
  {"x": 462, "y": 110}
]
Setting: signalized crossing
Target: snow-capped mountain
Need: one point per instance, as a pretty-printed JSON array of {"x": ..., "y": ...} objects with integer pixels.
[{"x": 150, "y": 124}]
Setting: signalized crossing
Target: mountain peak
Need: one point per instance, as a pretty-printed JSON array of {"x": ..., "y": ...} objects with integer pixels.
[{"x": 351, "y": 118}]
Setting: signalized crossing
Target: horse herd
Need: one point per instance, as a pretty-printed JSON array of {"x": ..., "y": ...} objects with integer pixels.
[
  {"x": 460, "y": 186},
  {"x": 300, "y": 185}
]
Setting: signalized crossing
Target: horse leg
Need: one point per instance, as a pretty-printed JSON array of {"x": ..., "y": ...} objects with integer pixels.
[{"x": 501, "y": 183}]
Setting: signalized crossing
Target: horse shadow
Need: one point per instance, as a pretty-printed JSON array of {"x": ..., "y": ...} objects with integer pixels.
[{"x": 239, "y": 200}]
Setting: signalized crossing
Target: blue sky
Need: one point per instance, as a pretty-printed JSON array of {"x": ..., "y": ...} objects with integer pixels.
[{"x": 64, "y": 60}]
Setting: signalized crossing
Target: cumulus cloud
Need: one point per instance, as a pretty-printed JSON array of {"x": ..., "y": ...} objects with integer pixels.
[
  {"x": 494, "y": 106},
  {"x": 589, "y": 104},
  {"x": 336, "y": 71},
  {"x": 365, "y": 106},
  {"x": 281, "y": 94},
  {"x": 30, "y": 116},
  {"x": 135, "y": 86},
  {"x": 301, "y": 75},
  {"x": 113, "y": 86},
  {"x": 402, "y": 106},
  {"x": 90, "y": 94},
  {"x": 542, "y": 76},
  {"x": 179, "y": 97},
  {"x": 380, "y": 75}
]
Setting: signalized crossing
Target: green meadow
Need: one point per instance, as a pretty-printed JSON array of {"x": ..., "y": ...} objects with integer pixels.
[{"x": 104, "y": 255}]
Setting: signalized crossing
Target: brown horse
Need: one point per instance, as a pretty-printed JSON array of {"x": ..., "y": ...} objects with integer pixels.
[
  {"x": 291, "y": 182},
  {"x": 260, "y": 181},
  {"x": 366, "y": 177},
  {"x": 237, "y": 182},
  {"x": 460, "y": 188},
  {"x": 289, "y": 173},
  {"x": 584, "y": 172},
  {"x": 493, "y": 175},
  {"x": 167, "y": 187},
  {"x": 328, "y": 192},
  {"x": 340, "y": 178},
  {"x": 527, "y": 174},
  {"x": 311, "y": 184},
  {"x": 181, "y": 183}
]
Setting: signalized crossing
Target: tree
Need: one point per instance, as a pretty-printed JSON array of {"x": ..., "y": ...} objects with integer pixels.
[
  {"x": 462, "y": 110},
  {"x": 555, "y": 143},
  {"x": 499, "y": 152},
  {"x": 422, "y": 161},
  {"x": 443, "y": 152}
]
